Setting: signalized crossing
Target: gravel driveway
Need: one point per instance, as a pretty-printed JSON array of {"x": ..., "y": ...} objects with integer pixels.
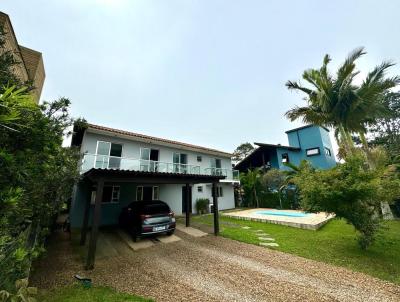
[{"x": 212, "y": 269}]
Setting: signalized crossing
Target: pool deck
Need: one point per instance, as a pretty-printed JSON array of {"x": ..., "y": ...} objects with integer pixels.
[{"x": 312, "y": 221}]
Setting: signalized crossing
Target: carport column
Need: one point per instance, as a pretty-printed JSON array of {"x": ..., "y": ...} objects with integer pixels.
[
  {"x": 95, "y": 226},
  {"x": 86, "y": 218},
  {"x": 215, "y": 205},
  {"x": 188, "y": 207}
]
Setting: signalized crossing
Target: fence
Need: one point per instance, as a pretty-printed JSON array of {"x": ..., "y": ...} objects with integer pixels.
[{"x": 16, "y": 256}]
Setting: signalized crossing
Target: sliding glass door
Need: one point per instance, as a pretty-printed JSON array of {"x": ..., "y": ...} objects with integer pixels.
[
  {"x": 108, "y": 155},
  {"x": 180, "y": 163}
]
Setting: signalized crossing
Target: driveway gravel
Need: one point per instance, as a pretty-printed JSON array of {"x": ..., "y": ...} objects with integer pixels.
[{"x": 210, "y": 269}]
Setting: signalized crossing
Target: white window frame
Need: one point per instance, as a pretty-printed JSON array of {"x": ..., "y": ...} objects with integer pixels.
[
  {"x": 109, "y": 151},
  {"x": 154, "y": 189},
  {"x": 112, "y": 194},
  {"x": 313, "y": 151},
  {"x": 220, "y": 192},
  {"x": 93, "y": 195},
  {"x": 328, "y": 151},
  {"x": 141, "y": 196}
]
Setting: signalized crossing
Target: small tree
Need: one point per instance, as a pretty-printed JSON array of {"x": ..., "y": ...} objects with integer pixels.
[
  {"x": 251, "y": 184},
  {"x": 351, "y": 191}
]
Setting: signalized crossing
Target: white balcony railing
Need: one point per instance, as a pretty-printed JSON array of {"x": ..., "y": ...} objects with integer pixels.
[
  {"x": 90, "y": 161},
  {"x": 228, "y": 173}
]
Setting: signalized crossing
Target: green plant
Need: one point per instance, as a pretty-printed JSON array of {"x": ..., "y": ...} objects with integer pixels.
[
  {"x": 252, "y": 186},
  {"x": 338, "y": 102},
  {"x": 351, "y": 190},
  {"x": 202, "y": 205},
  {"x": 24, "y": 293}
]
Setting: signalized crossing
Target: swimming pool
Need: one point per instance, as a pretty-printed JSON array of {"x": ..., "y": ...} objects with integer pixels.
[{"x": 282, "y": 213}]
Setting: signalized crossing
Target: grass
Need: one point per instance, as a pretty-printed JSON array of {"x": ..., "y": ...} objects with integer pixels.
[
  {"x": 334, "y": 243},
  {"x": 78, "y": 293}
]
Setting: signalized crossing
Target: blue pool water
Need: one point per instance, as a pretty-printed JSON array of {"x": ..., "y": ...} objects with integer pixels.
[{"x": 283, "y": 213}]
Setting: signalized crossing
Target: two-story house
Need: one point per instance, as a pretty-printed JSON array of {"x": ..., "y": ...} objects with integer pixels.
[
  {"x": 311, "y": 143},
  {"x": 104, "y": 148}
]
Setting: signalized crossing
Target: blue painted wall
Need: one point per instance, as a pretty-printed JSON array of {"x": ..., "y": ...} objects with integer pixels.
[
  {"x": 109, "y": 211},
  {"x": 307, "y": 138}
]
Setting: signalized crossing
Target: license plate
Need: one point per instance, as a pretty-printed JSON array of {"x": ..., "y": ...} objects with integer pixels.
[{"x": 160, "y": 228}]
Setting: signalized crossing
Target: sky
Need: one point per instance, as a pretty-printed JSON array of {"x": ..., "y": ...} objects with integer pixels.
[{"x": 207, "y": 72}]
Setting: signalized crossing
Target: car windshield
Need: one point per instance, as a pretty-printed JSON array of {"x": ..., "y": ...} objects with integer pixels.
[{"x": 155, "y": 208}]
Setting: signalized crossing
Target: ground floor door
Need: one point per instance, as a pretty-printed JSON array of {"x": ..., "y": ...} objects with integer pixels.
[
  {"x": 147, "y": 193},
  {"x": 184, "y": 199}
]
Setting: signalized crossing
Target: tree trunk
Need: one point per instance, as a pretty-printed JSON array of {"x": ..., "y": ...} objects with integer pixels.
[
  {"x": 344, "y": 140},
  {"x": 255, "y": 197},
  {"x": 364, "y": 141}
]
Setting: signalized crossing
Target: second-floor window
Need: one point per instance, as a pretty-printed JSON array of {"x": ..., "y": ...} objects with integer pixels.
[
  {"x": 216, "y": 166},
  {"x": 148, "y": 159},
  {"x": 285, "y": 157},
  {"x": 108, "y": 155},
  {"x": 180, "y": 162}
]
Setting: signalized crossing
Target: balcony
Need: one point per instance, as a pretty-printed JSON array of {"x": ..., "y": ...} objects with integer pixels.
[
  {"x": 90, "y": 161},
  {"x": 228, "y": 173}
]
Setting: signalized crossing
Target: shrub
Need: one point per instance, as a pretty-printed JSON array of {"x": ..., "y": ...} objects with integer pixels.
[
  {"x": 202, "y": 205},
  {"x": 351, "y": 190}
]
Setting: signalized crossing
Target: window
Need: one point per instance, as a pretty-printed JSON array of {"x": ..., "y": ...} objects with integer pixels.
[
  {"x": 313, "y": 151},
  {"x": 285, "y": 158},
  {"x": 139, "y": 193},
  {"x": 328, "y": 151},
  {"x": 199, "y": 158},
  {"x": 108, "y": 155},
  {"x": 200, "y": 189},
  {"x": 110, "y": 194},
  {"x": 216, "y": 166},
  {"x": 180, "y": 162},
  {"x": 147, "y": 193},
  {"x": 156, "y": 193},
  {"x": 220, "y": 192}
]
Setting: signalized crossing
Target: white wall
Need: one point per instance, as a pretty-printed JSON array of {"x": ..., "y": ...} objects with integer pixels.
[
  {"x": 131, "y": 149},
  {"x": 172, "y": 194}
]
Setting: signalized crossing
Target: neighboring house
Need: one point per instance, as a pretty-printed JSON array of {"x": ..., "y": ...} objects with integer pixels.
[
  {"x": 124, "y": 152},
  {"x": 310, "y": 142},
  {"x": 30, "y": 67}
]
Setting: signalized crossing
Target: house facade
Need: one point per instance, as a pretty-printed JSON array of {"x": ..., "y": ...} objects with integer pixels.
[
  {"x": 113, "y": 149},
  {"x": 311, "y": 143}
]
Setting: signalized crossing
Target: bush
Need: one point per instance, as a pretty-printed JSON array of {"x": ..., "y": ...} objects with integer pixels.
[
  {"x": 202, "y": 205},
  {"x": 351, "y": 190},
  {"x": 269, "y": 200}
]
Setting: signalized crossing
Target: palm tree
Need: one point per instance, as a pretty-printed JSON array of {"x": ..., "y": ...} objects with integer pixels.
[
  {"x": 337, "y": 102},
  {"x": 251, "y": 181}
]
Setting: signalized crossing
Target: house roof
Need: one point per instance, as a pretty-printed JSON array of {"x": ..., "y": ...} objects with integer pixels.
[
  {"x": 157, "y": 140},
  {"x": 257, "y": 151},
  {"x": 306, "y": 126},
  {"x": 277, "y": 146}
]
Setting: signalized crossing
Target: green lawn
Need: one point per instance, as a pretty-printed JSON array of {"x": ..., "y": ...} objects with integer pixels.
[
  {"x": 95, "y": 294},
  {"x": 334, "y": 243}
]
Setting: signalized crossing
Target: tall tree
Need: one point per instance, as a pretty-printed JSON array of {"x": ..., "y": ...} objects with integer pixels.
[
  {"x": 336, "y": 101},
  {"x": 242, "y": 151},
  {"x": 386, "y": 131}
]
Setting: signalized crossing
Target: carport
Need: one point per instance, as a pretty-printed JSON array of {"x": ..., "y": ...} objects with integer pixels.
[{"x": 99, "y": 177}]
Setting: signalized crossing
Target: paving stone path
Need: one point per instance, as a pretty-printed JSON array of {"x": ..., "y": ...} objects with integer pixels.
[{"x": 264, "y": 238}]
